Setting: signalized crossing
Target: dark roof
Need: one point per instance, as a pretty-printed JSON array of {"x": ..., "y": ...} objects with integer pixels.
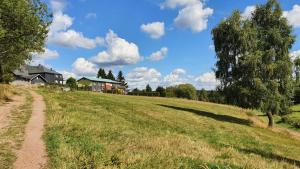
[
  {"x": 40, "y": 69},
  {"x": 94, "y": 79},
  {"x": 26, "y": 76}
]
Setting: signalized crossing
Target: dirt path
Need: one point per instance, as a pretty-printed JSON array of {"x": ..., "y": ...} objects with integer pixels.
[
  {"x": 5, "y": 110},
  {"x": 32, "y": 155}
]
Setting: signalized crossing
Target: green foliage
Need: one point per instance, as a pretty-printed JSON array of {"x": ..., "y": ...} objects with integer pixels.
[
  {"x": 202, "y": 95},
  {"x": 187, "y": 91},
  {"x": 161, "y": 91},
  {"x": 101, "y": 73},
  {"x": 148, "y": 88},
  {"x": 253, "y": 63},
  {"x": 23, "y": 30},
  {"x": 121, "y": 79},
  {"x": 72, "y": 83},
  {"x": 110, "y": 75}
]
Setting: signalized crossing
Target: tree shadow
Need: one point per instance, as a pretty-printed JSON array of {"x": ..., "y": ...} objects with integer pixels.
[
  {"x": 271, "y": 156},
  {"x": 219, "y": 117}
]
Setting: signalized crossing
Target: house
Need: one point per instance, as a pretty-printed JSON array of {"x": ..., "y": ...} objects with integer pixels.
[
  {"x": 37, "y": 75},
  {"x": 100, "y": 85}
]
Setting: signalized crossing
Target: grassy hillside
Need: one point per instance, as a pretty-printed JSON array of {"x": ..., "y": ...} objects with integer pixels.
[{"x": 92, "y": 130}]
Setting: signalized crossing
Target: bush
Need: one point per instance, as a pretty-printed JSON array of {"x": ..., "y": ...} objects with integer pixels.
[
  {"x": 71, "y": 82},
  {"x": 187, "y": 91}
]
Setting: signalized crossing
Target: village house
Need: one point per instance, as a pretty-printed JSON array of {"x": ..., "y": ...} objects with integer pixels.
[
  {"x": 39, "y": 74},
  {"x": 100, "y": 85}
]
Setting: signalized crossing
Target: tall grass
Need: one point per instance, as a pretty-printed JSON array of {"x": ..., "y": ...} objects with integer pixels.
[{"x": 5, "y": 92}]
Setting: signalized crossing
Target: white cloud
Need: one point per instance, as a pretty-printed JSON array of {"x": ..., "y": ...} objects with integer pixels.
[
  {"x": 207, "y": 81},
  {"x": 57, "y": 5},
  {"x": 293, "y": 16},
  {"x": 159, "y": 55},
  {"x": 83, "y": 67},
  {"x": 118, "y": 51},
  {"x": 67, "y": 74},
  {"x": 73, "y": 39},
  {"x": 176, "y": 77},
  {"x": 248, "y": 12},
  {"x": 47, "y": 54},
  {"x": 192, "y": 15},
  {"x": 141, "y": 76},
  {"x": 61, "y": 34},
  {"x": 39, "y": 58},
  {"x": 295, "y": 54},
  {"x": 154, "y": 29},
  {"x": 61, "y": 22},
  {"x": 91, "y": 15},
  {"x": 177, "y": 3}
]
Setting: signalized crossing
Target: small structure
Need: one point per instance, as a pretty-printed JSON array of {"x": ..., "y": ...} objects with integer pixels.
[
  {"x": 100, "y": 85},
  {"x": 37, "y": 75}
]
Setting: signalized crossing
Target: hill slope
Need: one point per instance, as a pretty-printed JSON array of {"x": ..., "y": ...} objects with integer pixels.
[{"x": 92, "y": 130}]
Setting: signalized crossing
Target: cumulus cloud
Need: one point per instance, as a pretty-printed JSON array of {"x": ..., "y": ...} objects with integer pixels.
[
  {"x": 159, "y": 55},
  {"x": 177, "y": 3},
  {"x": 192, "y": 15},
  {"x": 61, "y": 34},
  {"x": 293, "y": 16},
  {"x": 67, "y": 74},
  {"x": 207, "y": 81},
  {"x": 57, "y": 5},
  {"x": 118, "y": 51},
  {"x": 39, "y": 58},
  {"x": 141, "y": 76},
  {"x": 83, "y": 67},
  {"x": 248, "y": 12},
  {"x": 73, "y": 39},
  {"x": 155, "y": 29},
  {"x": 176, "y": 77}
]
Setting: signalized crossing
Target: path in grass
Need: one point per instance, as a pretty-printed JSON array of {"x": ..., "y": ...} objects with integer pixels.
[
  {"x": 32, "y": 155},
  {"x": 6, "y": 109}
]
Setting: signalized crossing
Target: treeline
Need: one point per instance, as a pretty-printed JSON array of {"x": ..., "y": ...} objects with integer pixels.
[{"x": 186, "y": 91}]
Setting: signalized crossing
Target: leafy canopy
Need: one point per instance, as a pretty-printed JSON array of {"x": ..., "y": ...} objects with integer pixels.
[{"x": 23, "y": 30}]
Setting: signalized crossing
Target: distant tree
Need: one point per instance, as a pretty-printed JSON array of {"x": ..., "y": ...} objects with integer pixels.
[
  {"x": 170, "y": 91},
  {"x": 23, "y": 31},
  {"x": 136, "y": 90},
  {"x": 110, "y": 75},
  {"x": 253, "y": 62},
  {"x": 161, "y": 91},
  {"x": 202, "y": 95},
  {"x": 148, "y": 88},
  {"x": 101, "y": 73},
  {"x": 121, "y": 79},
  {"x": 71, "y": 82},
  {"x": 187, "y": 91},
  {"x": 297, "y": 69}
]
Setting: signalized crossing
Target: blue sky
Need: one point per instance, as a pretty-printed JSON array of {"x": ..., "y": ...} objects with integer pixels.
[{"x": 160, "y": 42}]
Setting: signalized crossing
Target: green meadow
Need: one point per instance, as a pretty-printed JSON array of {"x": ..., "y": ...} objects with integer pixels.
[{"x": 93, "y": 130}]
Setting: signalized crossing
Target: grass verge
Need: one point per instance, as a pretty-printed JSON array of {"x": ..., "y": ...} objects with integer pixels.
[{"x": 11, "y": 137}]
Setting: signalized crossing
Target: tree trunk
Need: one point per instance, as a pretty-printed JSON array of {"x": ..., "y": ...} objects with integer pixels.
[{"x": 270, "y": 117}]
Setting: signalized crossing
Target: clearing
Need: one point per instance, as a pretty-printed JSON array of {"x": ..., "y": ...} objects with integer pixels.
[{"x": 93, "y": 130}]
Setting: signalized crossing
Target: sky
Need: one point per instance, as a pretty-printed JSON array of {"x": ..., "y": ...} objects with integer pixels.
[{"x": 156, "y": 42}]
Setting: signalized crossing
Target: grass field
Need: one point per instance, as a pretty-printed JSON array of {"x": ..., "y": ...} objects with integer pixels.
[
  {"x": 5, "y": 92},
  {"x": 92, "y": 130}
]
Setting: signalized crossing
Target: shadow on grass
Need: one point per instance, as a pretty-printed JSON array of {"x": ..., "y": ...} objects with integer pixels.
[
  {"x": 271, "y": 156},
  {"x": 219, "y": 117}
]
